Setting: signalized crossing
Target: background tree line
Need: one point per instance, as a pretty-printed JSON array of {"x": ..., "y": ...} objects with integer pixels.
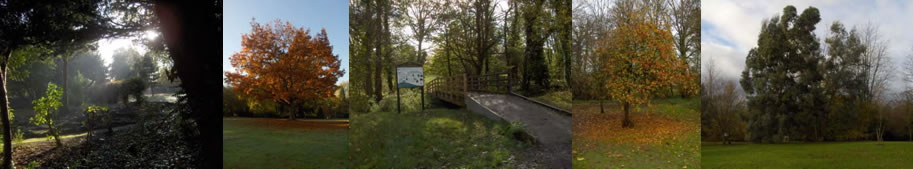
[{"x": 594, "y": 21}]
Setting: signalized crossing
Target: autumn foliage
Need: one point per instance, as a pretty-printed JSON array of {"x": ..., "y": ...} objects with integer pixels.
[
  {"x": 640, "y": 60},
  {"x": 284, "y": 64}
]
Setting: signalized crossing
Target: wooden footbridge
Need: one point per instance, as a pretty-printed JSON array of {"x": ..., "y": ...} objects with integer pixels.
[{"x": 492, "y": 96}]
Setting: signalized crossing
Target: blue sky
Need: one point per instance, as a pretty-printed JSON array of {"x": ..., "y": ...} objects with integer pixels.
[
  {"x": 314, "y": 14},
  {"x": 730, "y": 28}
]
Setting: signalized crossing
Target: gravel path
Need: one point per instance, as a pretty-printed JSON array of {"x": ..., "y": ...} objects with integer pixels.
[{"x": 551, "y": 129}]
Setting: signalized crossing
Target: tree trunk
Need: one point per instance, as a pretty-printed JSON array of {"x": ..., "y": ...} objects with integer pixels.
[
  {"x": 4, "y": 113},
  {"x": 601, "y": 107},
  {"x": 56, "y": 135},
  {"x": 66, "y": 84},
  {"x": 192, "y": 30},
  {"x": 627, "y": 121},
  {"x": 378, "y": 55}
]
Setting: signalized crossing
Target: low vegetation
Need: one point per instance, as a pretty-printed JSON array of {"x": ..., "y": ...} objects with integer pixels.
[{"x": 435, "y": 138}]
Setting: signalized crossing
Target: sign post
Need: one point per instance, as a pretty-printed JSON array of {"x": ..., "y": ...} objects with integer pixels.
[{"x": 410, "y": 75}]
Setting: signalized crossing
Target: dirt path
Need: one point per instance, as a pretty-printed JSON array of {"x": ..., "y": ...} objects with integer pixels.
[{"x": 550, "y": 128}]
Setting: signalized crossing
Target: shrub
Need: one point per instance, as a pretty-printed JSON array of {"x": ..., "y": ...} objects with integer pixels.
[{"x": 45, "y": 109}]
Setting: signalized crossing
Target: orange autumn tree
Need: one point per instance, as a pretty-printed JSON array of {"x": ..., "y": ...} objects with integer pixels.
[
  {"x": 286, "y": 65},
  {"x": 640, "y": 60}
]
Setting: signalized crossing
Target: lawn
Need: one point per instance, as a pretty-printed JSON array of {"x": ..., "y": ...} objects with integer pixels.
[
  {"x": 808, "y": 155},
  {"x": 435, "y": 138},
  {"x": 666, "y": 135},
  {"x": 282, "y": 143}
]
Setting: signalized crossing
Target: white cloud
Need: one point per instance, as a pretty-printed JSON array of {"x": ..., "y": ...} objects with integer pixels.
[{"x": 731, "y": 27}]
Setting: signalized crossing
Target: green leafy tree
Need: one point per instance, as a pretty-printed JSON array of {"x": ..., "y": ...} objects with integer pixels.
[
  {"x": 46, "y": 109},
  {"x": 783, "y": 80},
  {"x": 535, "y": 68}
]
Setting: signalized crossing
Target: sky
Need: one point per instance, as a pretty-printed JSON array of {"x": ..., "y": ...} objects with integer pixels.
[
  {"x": 730, "y": 28},
  {"x": 333, "y": 15},
  {"x": 106, "y": 47}
]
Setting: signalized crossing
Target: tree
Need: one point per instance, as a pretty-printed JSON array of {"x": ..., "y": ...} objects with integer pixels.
[
  {"x": 534, "y": 66},
  {"x": 95, "y": 114},
  {"x": 283, "y": 64},
  {"x": 28, "y": 23},
  {"x": 90, "y": 65},
  {"x": 781, "y": 79},
  {"x": 639, "y": 60},
  {"x": 123, "y": 58},
  {"x": 591, "y": 20},
  {"x": 564, "y": 29},
  {"x": 477, "y": 37},
  {"x": 147, "y": 70},
  {"x": 45, "y": 111},
  {"x": 423, "y": 19},
  {"x": 686, "y": 21}
]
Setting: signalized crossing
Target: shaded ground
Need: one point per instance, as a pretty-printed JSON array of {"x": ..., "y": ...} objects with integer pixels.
[
  {"x": 283, "y": 143},
  {"x": 666, "y": 135},
  {"x": 155, "y": 143},
  {"x": 551, "y": 129},
  {"x": 808, "y": 155}
]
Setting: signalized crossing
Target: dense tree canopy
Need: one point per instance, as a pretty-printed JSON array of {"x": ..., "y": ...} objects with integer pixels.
[
  {"x": 284, "y": 64},
  {"x": 796, "y": 91},
  {"x": 640, "y": 61}
]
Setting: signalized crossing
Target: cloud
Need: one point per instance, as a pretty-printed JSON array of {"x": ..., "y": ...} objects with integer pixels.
[{"x": 730, "y": 28}]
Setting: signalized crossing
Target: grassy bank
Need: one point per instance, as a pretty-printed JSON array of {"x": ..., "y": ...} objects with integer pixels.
[{"x": 435, "y": 138}]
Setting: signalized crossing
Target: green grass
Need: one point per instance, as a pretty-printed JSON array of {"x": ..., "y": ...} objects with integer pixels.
[
  {"x": 436, "y": 138},
  {"x": 809, "y": 155},
  {"x": 246, "y": 145},
  {"x": 679, "y": 147},
  {"x": 687, "y": 109},
  {"x": 560, "y": 99}
]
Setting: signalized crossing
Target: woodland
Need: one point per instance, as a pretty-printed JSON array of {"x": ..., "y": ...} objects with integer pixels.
[{"x": 63, "y": 107}]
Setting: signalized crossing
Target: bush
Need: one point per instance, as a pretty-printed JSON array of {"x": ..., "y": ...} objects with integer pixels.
[
  {"x": 94, "y": 115},
  {"x": 134, "y": 87},
  {"x": 46, "y": 108},
  {"x": 232, "y": 104}
]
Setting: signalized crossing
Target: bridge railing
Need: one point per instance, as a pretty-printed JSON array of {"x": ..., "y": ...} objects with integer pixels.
[
  {"x": 454, "y": 88},
  {"x": 451, "y": 89},
  {"x": 491, "y": 83}
]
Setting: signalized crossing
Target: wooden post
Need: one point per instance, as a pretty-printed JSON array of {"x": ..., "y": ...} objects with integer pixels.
[
  {"x": 464, "y": 85},
  {"x": 396, "y": 76},
  {"x": 423, "y": 98},
  {"x": 509, "y": 82}
]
